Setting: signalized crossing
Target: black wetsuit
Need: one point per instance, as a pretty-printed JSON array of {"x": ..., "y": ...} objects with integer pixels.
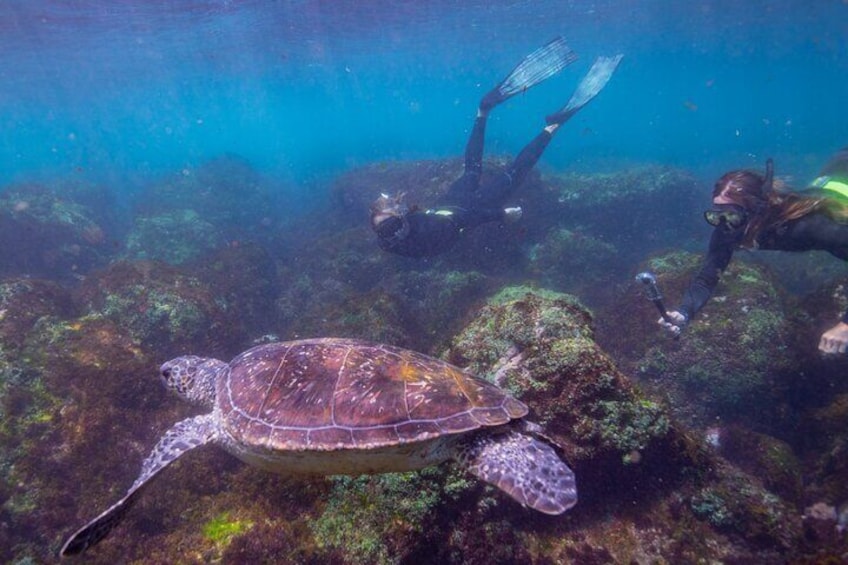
[
  {"x": 815, "y": 231},
  {"x": 467, "y": 203}
]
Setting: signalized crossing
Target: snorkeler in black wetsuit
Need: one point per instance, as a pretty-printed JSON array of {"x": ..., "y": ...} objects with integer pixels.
[
  {"x": 468, "y": 202},
  {"x": 748, "y": 213}
]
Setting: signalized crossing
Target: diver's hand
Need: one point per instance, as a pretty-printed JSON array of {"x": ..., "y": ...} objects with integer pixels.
[
  {"x": 679, "y": 322},
  {"x": 835, "y": 340}
]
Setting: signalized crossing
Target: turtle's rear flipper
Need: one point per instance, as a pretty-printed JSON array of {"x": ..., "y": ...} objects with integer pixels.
[{"x": 525, "y": 468}]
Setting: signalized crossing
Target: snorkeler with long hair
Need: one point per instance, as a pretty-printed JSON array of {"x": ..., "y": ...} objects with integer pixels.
[
  {"x": 471, "y": 200},
  {"x": 749, "y": 213}
]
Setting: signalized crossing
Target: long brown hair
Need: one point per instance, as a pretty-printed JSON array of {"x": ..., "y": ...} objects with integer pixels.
[{"x": 769, "y": 207}]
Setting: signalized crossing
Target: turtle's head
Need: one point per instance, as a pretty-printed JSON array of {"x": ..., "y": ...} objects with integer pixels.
[{"x": 193, "y": 378}]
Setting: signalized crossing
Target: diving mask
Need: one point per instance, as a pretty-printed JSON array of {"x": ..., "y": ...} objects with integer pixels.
[
  {"x": 388, "y": 216},
  {"x": 728, "y": 215}
]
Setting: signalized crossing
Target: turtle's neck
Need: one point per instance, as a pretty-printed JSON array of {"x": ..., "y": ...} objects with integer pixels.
[{"x": 203, "y": 391}]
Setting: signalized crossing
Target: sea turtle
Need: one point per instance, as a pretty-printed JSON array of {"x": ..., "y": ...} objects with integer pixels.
[{"x": 341, "y": 406}]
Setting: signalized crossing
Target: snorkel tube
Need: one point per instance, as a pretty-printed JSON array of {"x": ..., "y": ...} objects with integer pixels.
[
  {"x": 653, "y": 293},
  {"x": 767, "y": 188},
  {"x": 768, "y": 181}
]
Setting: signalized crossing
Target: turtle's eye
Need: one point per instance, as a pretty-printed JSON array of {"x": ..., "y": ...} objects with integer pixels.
[{"x": 166, "y": 373}]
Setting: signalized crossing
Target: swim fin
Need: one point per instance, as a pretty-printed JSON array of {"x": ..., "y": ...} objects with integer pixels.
[
  {"x": 589, "y": 87},
  {"x": 541, "y": 64}
]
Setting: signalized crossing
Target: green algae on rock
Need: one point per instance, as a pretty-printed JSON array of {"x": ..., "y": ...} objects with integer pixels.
[
  {"x": 162, "y": 306},
  {"x": 627, "y": 444},
  {"x": 728, "y": 359},
  {"x": 221, "y": 529},
  {"x": 377, "y": 519},
  {"x": 539, "y": 344},
  {"x": 175, "y": 237},
  {"x": 63, "y": 238}
]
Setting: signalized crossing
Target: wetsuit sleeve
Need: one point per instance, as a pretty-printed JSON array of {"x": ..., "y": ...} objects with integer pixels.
[
  {"x": 718, "y": 257},
  {"x": 817, "y": 231}
]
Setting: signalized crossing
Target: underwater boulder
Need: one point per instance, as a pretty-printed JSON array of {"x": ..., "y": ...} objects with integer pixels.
[
  {"x": 731, "y": 362},
  {"x": 47, "y": 235},
  {"x": 61, "y": 394},
  {"x": 163, "y": 308},
  {"x": 437, "y": 302},
  {"x": 176, "y": 237},
  {"x": 540, "y": 346},
  {"x": 636, "y": 210},
  {"x": 391, "y": 299},
  {"x": 569, "y": 260},
  {"x": 351, "y": 256},
  {"x": 805, "y": 273},
  {"x": 244, "y": 277},
  {"x": 627, "y": 450},
  {"x": 736, "y": 504},
  {"x": 81, "y": 403},
  {"x": 25, "y": 301},
  {"x": 828, "y": 430},
  {"x": 311, "y": 307},
  {"x": 770, "y": 459},
  {"x": 343, "y": 290},
  {"x": 225, "y": 192}
]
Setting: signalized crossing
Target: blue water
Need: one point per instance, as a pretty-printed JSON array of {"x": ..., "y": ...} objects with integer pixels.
[{"x": 120, "y": 92}]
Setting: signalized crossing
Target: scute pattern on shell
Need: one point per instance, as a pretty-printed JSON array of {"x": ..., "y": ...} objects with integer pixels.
[{"x": 324, "y": 394}]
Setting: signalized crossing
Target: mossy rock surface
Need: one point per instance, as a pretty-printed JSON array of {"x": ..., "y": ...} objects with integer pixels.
[
  {"x": 175, "y": 237},
  {"x": 163, "y": 308},
  {"x": 45, "y": 232},
  {"x": 539, "y": 345},
  {"x": 731, "y": 359}
]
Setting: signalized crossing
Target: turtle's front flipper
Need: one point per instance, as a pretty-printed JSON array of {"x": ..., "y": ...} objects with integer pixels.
[
  {"x": 182, "y": 437},
  {"x": 524, "y": 467}
]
